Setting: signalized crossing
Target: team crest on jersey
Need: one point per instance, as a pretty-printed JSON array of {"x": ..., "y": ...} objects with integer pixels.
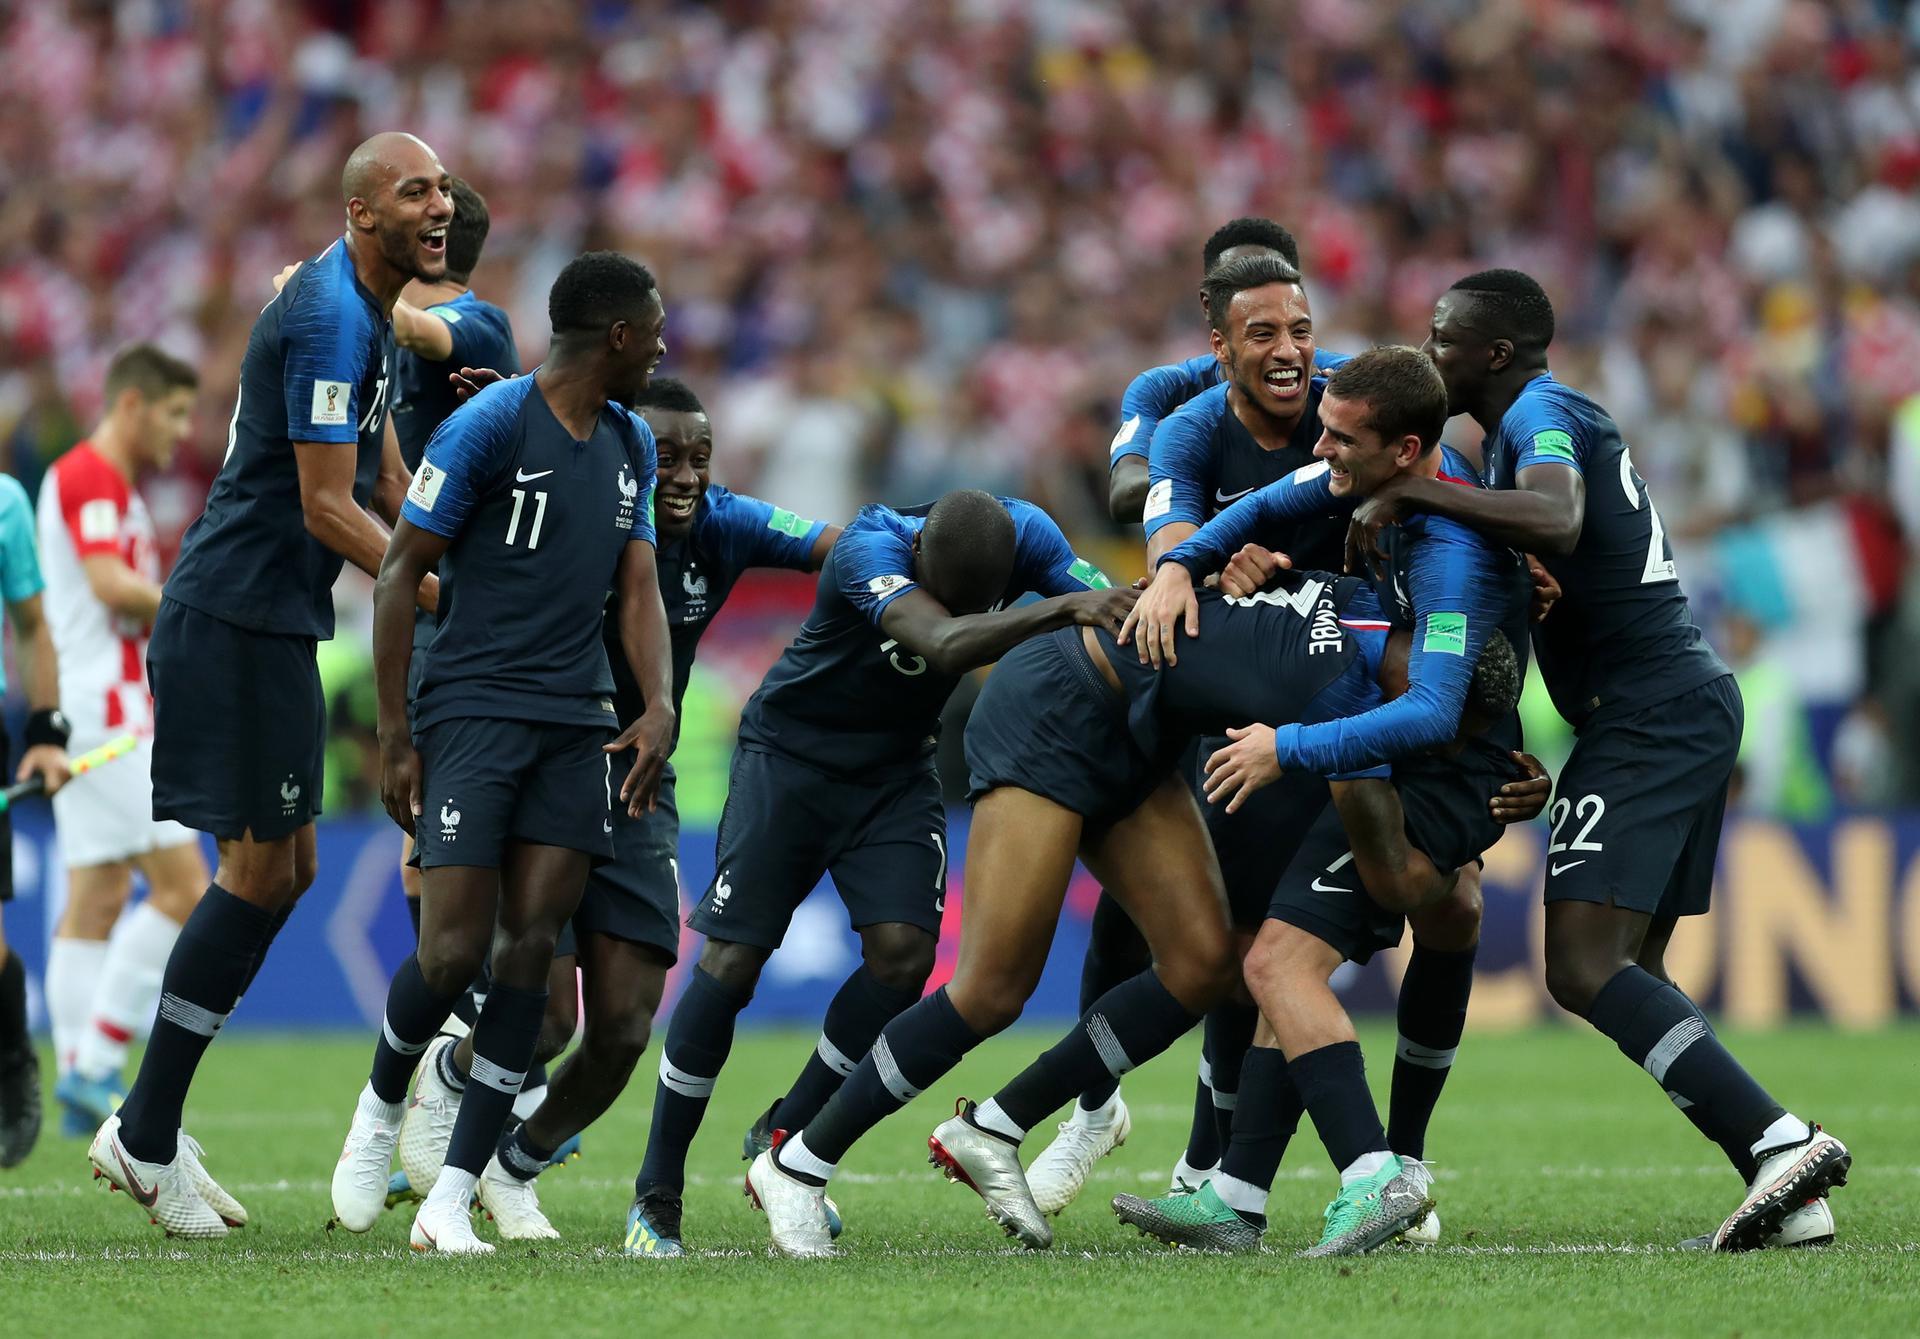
[
  {"x": 289, "y": 796},
  {"x": 629, "y": 494},
  {"x": 449, "y": 822},
  {"x": 694, "y": 584}
]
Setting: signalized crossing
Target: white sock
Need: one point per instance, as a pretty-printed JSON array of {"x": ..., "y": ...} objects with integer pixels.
[
  {"x": 795, "y": 1156},
  {"x": 129, "y": 989},
  {"x": 1192, "y": 1175},
  {"x": 387, "y": 1113},
  {"x": 1789, "y": 1129},
  {"x": 73, "y": 974},
  {"x": 1098, "y": 1119},
  {"x": 989, "y": 1116},
  {"x": 454, "y": 1186},
  {"x": 1242, "y": 1195},
  {"x": 1362, "y": 1167},
  {"x": 528, "y": 1100}
]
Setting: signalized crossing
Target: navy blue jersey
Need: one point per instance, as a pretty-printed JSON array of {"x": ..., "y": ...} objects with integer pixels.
[
  {"x": 315, "y": 370},
  {"x": 538, "y": 522},
  {"x": 1158, "y": 391},
  {"x": 731, "y": 533},
  {"x": 1204, "y": 460},
  {"x": 1622, "y": 635},
  {"x": 845, "y": 697},
  {"x": 1445, "y": 581},
  {"x": 1305, "y": 650},
  {"x": 422, "y": 395}
]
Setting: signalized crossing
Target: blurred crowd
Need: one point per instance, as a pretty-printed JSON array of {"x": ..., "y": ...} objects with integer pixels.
[{"x": 907, "y": 244}]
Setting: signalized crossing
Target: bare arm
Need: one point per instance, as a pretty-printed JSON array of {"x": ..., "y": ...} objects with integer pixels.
[
  {"x": 1166, "y": 539},
  {"x": 419, "y": 331},
  {"x": 390, "y": 488},
  {"x": 336, "y": 520},
  {"x": 40, "y": 668},
  {"x": 120, "y": 588},
  {"x": 407, "y": 562},
  {"x": 1127, "y": 489},
  {"x": 1396, "y": 876},
  {"x": 1542, "y": 513},
  {"x": 822, "y": 545},
  {"x": 645, "y": 643},
  {"x": 954, "y": 644}
]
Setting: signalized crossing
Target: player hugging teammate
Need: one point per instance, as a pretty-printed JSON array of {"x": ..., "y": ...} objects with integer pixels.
[{"x": 1270, "y": 778}]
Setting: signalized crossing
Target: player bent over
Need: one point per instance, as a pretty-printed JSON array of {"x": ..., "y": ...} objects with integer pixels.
[{"x": 533, "y": 499}]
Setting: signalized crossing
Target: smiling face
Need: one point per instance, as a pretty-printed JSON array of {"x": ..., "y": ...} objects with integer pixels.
[
  {"x": 1464, "y": 356},
  {"x": 1358, "y": 457},
  {"x": 1267, "y": 344},
  {"x": 685, "y": 444},
  {"x": 636, "y": 347},
  {"x": 407, "y": 206}
]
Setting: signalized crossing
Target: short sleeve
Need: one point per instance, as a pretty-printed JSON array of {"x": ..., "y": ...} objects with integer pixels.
[
  {"x": 93, "y": 503},
  {"x": 1181, "y": 465},
  {"x": 876, "y": 568},
  {"x": 461, "y": 458},
  {"x": 1151, "y": 397},
  {"x": 1044, "y": 562},
  {"x": 481, "y": 335},
  {"x": 327, "y": 339},
  {"x": 1544, "y": 433},
  {"x": 647, "y": 461},
  {"x": 746, "y": 532},
  {"x": 19, "y": 562}
]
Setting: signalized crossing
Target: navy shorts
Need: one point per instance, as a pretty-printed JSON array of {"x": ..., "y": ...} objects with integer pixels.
[
  {"x": 1256, "y": 844},
  {"x": 239, "y": 726},
  {"x": 1046, "y": 722},
  {"x": 786, "y": 824},
  {"x": 486, "y": 782},
  {"x": 1637, "y": 813},
  {"x": 636, "y": 896},
  {"x": 1445, "y": 806}
]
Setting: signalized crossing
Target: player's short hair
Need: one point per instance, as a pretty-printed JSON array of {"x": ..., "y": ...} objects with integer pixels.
[
  {"x": 968, "y": 541},
  {"x": 596, "y": 289},
  {"x": 1495, "y": 688},
  {"x": 468, "y": 231},
  {"x": 1402, "y": 389},
  {"x": 669, "y": 394},
  {"x": 1237, "y": 276},
  {"x": 1249, "y": 232},
  {"x": 149, "y": 369},
  {"x": 1510, "y": 305}
]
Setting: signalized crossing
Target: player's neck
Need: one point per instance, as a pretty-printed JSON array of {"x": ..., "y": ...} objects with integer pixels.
[
  {"x": 1426, "y": 465},
  {"x": 432, "y": 295},
  {"x": 1271, "y": 433},
  {"x": 376, "y": 274},
  {"x": 1501, "y": 394},
  {"x": 573, "y": 391},
  {"x": 114, "y": 444}
]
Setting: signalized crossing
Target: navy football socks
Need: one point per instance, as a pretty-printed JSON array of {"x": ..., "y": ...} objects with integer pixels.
[
  {"x": 1432, "y": 1016},
  {"x": 503, "y": 1042},
  {"x": 1332, "y": 1082},
  {"x": 699, "y": 1036},
  {"x": 413, "y": 1017},
  {"x": 863, "y": 1006}
]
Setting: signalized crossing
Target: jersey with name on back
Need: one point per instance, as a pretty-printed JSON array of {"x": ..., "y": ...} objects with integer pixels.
[
  {"x": 315, "y": 370},
  {"x": 1444, "y": 581},
  {"x": 1622, "y": 636},
  {"x": 538, "y": 523},
  {"x": 1204, "y": 460},
  {"x": 1157, "y": 392},
  {"x": 847, "y": 699},
  {"x": 422, "y": 395},
  {"x": 731, "y": 533}
]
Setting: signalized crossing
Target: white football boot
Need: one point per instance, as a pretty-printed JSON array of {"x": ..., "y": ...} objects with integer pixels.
[
  {"x": 796, "y": 1212},
  {"x": 427, "y": 1128},
  {"x": 990, "y": 1167},
  {"x": 360, "y": 1177},
  {"x": 231, "y": 1212},
  {"x": 443, "y": 1227},
  {"x": 163, "y": 1190},
  {"x": 1789, "y": 1176},
  {"x": 1060, "y": 1173},
  {"x": 513, "y": 1205},
  {"x": 1426, "y": 1232}
]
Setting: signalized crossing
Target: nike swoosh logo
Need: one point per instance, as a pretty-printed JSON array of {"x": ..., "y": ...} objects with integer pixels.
[
  {"x": 1224, "y": 498},
  {"x": 1562, "y": 869},
  {"x": 522, "y": 477},
  {"x": 145, "y": 1195},
  {"x": 1320, "y": 887}
]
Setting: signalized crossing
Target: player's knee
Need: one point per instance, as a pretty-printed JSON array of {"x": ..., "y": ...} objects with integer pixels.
[
  {"x": 557, "y": 1027},
  {"x": 306, "y": 868},
  {"x": 1451, "y": 925},
  {"x": 1281, "y": 959},
  {"x": 451, "y": 962},
  {"x": 899, "y": 956},
  {"x": 618, "y": 1041},
  {"x": 734, "y": 966},
  {"x": 1576, "y": 976},
  {"x": 521, "y": 961},
  {"x": 991, "y": 1008},
  {"x": 1201, "y": 971}
]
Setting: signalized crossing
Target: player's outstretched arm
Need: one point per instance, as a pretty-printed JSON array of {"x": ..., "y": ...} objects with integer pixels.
[
  {"x": 1127, "y": 489},
  {"x": 822, "y": 545},
  {"x": 421, "y": 332},
  {"x": 413, "y": 553},
  {"x": 644, "y": 641},
  {"x": 335, "y": 519},
  {"x": 955, "y": 644},
  {"x": 40, "y": 668},
  {"x": 1542, "y": 513},
  {"x": 1396, "y": 875}
]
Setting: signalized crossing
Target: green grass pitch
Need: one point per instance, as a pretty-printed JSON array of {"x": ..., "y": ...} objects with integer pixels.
[{"x": 1563, "y": 1179}]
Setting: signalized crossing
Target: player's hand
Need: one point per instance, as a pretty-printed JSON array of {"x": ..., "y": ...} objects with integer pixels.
[
  {"x": 280, "y": 279},
  {"x": 1102, "y": 608},
  {"x": 400, "y": 783},
  {"x": 1546, "y": 591},
  {"x": 49, "y": 763},
  {"x": 428, "y": 596},
  {"x": 470, "y": 381},
  {"x": 1168, "y": 602},
  {"x": 652, "y": 739},
  {"x": 1521, "y": 801},
  {"x": 1384, "y": 507},
  {"x": 1242, "y": 767},
  {"x": 1249, "y": 570}
]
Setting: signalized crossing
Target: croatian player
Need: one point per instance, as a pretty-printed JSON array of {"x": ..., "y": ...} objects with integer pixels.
[
  {"x": 533, "y": 501},
  {"x": 103, "y": 589},
  {"x": 239, "y": 716},
  {"x": 1641, "y": 800}
]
